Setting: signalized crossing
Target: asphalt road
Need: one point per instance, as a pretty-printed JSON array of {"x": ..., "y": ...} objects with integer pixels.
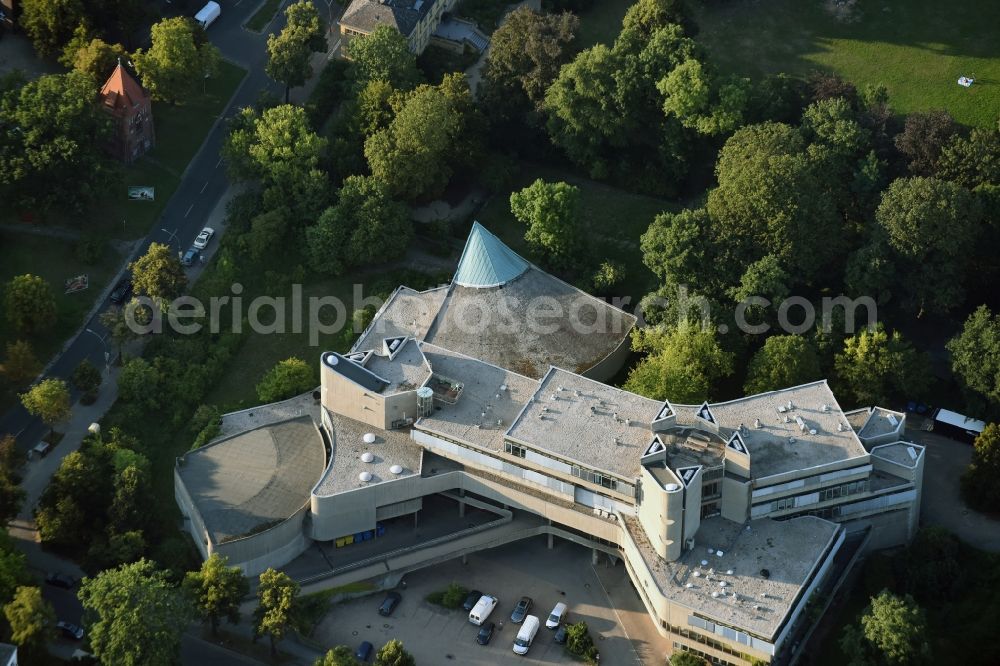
[{"x": 203, "y": 184}]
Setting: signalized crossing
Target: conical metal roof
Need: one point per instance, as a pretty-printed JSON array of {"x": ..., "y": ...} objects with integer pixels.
[{"x": 486, "y": 261}]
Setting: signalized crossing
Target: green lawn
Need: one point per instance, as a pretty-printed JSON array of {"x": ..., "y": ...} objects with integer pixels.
[
  {"x": 917, "y": 48},
  {"x": 602, "y": 22},
  {"x": 263, "y": 16},
  {"x": 613, "y": 220}
]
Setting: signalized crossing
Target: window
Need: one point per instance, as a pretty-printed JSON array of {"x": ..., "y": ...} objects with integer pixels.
[
  {"x": 710, "y": 490},
  {"x": 514, "y": 450}
]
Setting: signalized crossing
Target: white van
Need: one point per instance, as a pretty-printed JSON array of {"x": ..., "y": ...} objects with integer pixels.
[
  {"x": 556, "y": 616},
  {"x": 482, "y": 609},
  {"x": 206, "y": 15},
  {"x": 526, "y": 634}
]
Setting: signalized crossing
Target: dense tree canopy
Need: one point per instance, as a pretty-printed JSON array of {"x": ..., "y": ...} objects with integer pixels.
[
  {"x": 48, "y": 400},
  {"x": 393, "y": 654},
  {"x": 874, "y": 366},
  {"x": 50, "y": 23},
  {"x": 893, "y": 631},
  {"x": 20, "y": 365},
  {"x": 783, "y": 361},
  {"x": 975, "y": 354},
  {"x": 91, "y": 55},
  {"x": 31, "y": 305},
  {"x": 924, "y": 135},
  {"x": 286, "y": 379},
  {"x": 277, "y": 596},
  {"x": 217, "y": 591},
  {"x": 683, "y": 363},
  {"x": 134, "y": 616},
  {"x": 177, "y": 60},
  {"x": 383, "y": 55},
  {"x": 338, "y": 656},
  {"x": 158, "y": 274},
  {"x": 289, "y": 53},
  {"x": 31, "y": 618},
  {"x": 551, "y": 211},
  {"x": 979, "y": 482}
]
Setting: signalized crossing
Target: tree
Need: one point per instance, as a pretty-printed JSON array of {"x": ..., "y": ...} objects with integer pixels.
[
  {"x": 31, "y": 618},
  {"x": 286, "y": 379},
  {"x": 834, "y": 123},
  {"x": 979, "y": 481},
  {"x": 138, "y": 383},
  {"x": 48, "y": 400},
  {"x": 646, "y": 16},
  {"x": 393, "y": 654},
  {"x": 158, "y": 274},
  {"x": 132, "y": 495},
  {"x": 20, "y": 365},
  {"x": 177, "y": 60},
  {"x": 277, "y": 598},
  {"x": 217, "y": 591},
  {"x": 686, "y": 659},
  {"x": 50, "y": 23},
  {"x": 117, "y": 324},
  {"x": 783, "y": 361},
  {"x": 11, "y": 498},
  {"x": 86, "y": 377},
  {"x": 551, "y": 212},
  {"x": 609, "y": 274},
  {"x": 366, "y": 226},
  {"x": 55, "y": 158},
  {"x": 289, "y": 53},
  {"x": 893, "y": 631},
  {"x": 383, "y": 55},
  {"x": 674, "y": 248},
  {"x": 580, "y": 643},
  {"x": 525, "y": 55},
  {"x": 683, "y": 363},
  {"x": 31, "y": 306},
  {"x": 932, "y": 225},
  {"x": 338, "y": 656},
  {"x": 924, "y": 135},
  {"x": 975, "y": 354},
  {"x": 700, "y": 102},
  {"x": 134, "y": 615},
  {"x": 13, "y": 569},
  {"x": 971, "y": 161},
  {"x": 97, "y": 59},
  {"x": 874, "y": 366}
]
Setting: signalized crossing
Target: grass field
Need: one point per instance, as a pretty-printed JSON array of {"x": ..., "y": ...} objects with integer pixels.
[
  {"x": 917, "y": 48},
  {"x": 613, "y": 221},
  {"x": 263, "y": 16},
  {"x": 602, "y": 22}
]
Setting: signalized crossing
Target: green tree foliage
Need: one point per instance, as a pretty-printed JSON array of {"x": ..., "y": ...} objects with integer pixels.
[
  {"x": 48, "y": 400},
  {"x": 682, "y": 363},
  {"x": 932, "y": 225},
  {"x": 393, "y": 654},
  {"x": 286, "y": 379},
  {"x": 277, "y": 596},
  {"x": 701, "y": 102},
  {"x": 975, "y": 354},
  {"x": 366, "y": 226},
  {"x": 374, "y": 110},
  {"x": 11, "y": 494},
  {"x": 217, "y": 591},
  {"x": 86, "y": 377},
  {"x": 177, "y": 59},
  {"x": 874, "y": 366},
  {"x": 135, "y": 617},
  {"x": 686, "y": 659},
  {"x": 971, "y": 161},
  {"x": 205, "y": 425},
  {"x": 924, "y": 135},
  {"x": 645, "y": 17},
  {"x": 551, "y": 211},
  {"x": 158, "y": 274},
  {"x": 50, "y": 23},
  {"x": 893, "y": 631},
  {"x": 121, "y": 333},
  {"x": 20, "y": 365},
  {"x": 31, "y": 618},
  {"x": 13, "y": 569},
  {"x": 280, "y": 149},
  {"x": 608, "y": 275},
  {"x": 138, "y": 383},
  {"x": 933, "y": 570},
  {"x": 93, "y": 57},
  {"x": 54, "y": 158},
  {"x": 525, "y": 56},
  {"x": 783, "y": 361},
  {"x": 383, "y": 55},
  {"x": 833, "y": 122},
  {"x": 675, "y": 249},
  {"x": 979, "y": 482},
  {"x": 31, "y": 305},
  {"x": 289, "y": 53},
  {"x": 774, "y": 198},
  {"x": 338, "y": 656},
  {"x": 579, "y": 643}
]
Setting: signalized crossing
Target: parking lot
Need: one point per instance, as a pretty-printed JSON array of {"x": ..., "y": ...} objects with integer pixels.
[{"x": 438, "y": 636}]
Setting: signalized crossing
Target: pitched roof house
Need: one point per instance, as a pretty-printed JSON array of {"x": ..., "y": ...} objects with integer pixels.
[{"x": 129, "y": 104}]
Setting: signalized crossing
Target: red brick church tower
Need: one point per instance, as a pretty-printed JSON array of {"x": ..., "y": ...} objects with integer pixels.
[{"x": 129, "y": 105}]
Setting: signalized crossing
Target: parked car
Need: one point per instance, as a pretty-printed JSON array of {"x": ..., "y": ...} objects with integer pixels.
[
  {"x": 557, "y": 616},
  {"x": 57, "y": 579},
  {"x": 122, "y": 291},
  {"x": 201, "y": 242},
  {"x": 70, "y": 630},
  {"x": 521, "y": 610},
  {"x": 471, "y": 600},
  {"x": 389, "y": 604},
  {"x": 560, "y": 635},
  {"x": 526, "y": 634},
  {"x": 190, "y": 256},
  {"x": 485, "y": 633},
  {"x": 363, "y": 652}
]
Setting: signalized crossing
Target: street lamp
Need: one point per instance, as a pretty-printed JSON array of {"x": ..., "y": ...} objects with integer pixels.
[
  {"x": 107, "y": 354},
  {"x": 172, "y": 236}
]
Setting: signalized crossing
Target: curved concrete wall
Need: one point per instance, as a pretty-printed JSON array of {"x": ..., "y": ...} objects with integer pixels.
[
  {"x": 275, "y": 547},
  {"x": 609, "y": 366}
]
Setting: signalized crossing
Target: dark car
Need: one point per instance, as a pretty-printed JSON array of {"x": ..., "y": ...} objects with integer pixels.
[
  {"x": 190, "y": 256},
  {"x": 560, "y": 635},
  {"x": 521, "y": 610},
  {"x": 122, "y": 291},
  {"x": 61, "y": 580},
  {"x": 485, "y": 633},
  {"x": 70, "y": 630},
  {"x": 363, "y": 652},
  {"x": 471, "y": 600},
  {"x": 389, "y": 604}
]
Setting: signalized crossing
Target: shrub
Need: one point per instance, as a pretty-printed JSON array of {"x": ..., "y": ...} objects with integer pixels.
[
  {"x": 90, "y": 249},
  {"x": 86, "y": 377},
  {"x": 579, "y": 643},
  {"x": 451, "y": 597},
  {"x": 286, "y": 379},
  {"x": 608, "y": 275}
]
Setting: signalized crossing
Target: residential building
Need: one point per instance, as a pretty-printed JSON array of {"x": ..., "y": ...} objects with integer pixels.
[
  {"x": 130, "y": 106},
  {"x": 414, "y": 19},
  {"x": 730, "y": 517}
]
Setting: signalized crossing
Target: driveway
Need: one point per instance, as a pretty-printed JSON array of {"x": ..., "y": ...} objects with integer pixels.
[
  {"x": 942, "y": 503},
  {"x": 438, "y": 636}
]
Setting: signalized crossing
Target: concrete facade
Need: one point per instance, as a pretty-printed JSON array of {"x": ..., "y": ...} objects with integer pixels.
[{"x": 414, "y": 19}]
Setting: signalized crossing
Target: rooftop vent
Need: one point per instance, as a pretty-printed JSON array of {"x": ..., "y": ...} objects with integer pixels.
[
  {"x": 697, "y": 574},
  {"x": 671, "y": 487},
  {"x": 503, "y": 387},
  {"x": 729, "y": 572},
  {"x": 812, "y": 431},
  {"x": 688, "y": 585},
  {"x": 801, "y": 423},
  {"x": 892, "y": 420},
  {"x": 765, "y": 574},
  {"x": 365, "y": 477},
  {"x": 840, "y": 427},
  {"x": 756, "y": 423},
  {"x": 825, "y": 408},
  {"x": 369, "y": 438},
  {"x": 790, "y": 406},
  {"x": 367, "y": 457},
  {"x": 704, "y": 563},
  {"x": 791, "y": 440},
  {"x": 718, "y": 553},
  {"x": 396, "y": 469}
]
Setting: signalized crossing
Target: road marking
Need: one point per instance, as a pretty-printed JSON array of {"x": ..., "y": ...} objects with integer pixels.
[
  {"x": 219, "y": 162},
  {"x": 203, "y": 187},
  {"x": 189, "y": 210},
  {"x": 620, "y": 623}
]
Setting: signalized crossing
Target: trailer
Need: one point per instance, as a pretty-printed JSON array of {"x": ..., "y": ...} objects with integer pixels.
[
  {"x": 957, "y": 426},
  {"x": 206, "y": 15}
]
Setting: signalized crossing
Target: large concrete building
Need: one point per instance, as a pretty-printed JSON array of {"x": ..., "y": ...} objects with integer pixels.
[{"x": 729, "y": 517}]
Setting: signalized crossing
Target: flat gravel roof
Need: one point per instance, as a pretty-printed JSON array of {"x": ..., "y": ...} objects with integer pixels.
[{"x": 407, "y": 312}]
